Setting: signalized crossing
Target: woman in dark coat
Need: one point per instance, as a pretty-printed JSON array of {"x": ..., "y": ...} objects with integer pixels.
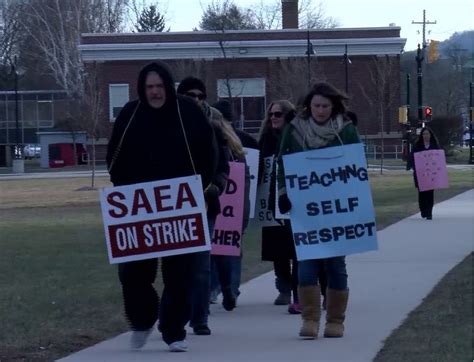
[
  {"x": 277, "y": 242},
  {"x": 426, "y": 141}
]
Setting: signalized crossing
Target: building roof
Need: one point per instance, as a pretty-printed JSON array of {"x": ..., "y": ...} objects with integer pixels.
[{"x": 241, "y": 44}]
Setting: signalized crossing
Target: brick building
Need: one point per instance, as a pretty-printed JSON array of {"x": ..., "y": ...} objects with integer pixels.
[{"x": 255, "y": 67}]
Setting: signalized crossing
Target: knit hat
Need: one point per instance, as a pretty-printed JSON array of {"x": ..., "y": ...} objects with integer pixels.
[
  {"x": 189, "y": 83},
  {"x": 225, "y": 108}
]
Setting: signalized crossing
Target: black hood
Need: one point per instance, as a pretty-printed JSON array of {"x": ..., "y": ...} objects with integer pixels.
[{"x": 165, "y": 75}]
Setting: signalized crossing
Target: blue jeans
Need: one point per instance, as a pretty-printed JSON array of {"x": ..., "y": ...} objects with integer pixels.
[
  {"x": 308, "y": 272},
  {"x": 201, "y": 283},
  {"x": 200, "y": 288},
  {"x": 225, "y": 271}
]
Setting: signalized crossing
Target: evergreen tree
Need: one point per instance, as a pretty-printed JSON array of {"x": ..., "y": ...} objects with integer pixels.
[{"x": 150, "y": 20}]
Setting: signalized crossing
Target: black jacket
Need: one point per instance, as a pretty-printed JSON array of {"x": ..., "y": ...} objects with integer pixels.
[{"x": 154, "y": 146}]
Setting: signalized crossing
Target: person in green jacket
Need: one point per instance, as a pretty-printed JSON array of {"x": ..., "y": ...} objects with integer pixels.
[{"x": 321, "y": 123}]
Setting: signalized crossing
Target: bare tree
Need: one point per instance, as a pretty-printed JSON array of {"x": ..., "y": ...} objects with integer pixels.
[
  {"x": 295, "y": 71},
  {"x": 313, "y": 16},
  {"x": 91, "y": 113},
  {"x": 55, "y": 27},
  {"x": 383, "y": 94},
  {"x": 10, "y": 35},
  {"x": 268, "y": 15},
  {"x": 186, "y": 67},
  {"x": 226, "y": 15}
]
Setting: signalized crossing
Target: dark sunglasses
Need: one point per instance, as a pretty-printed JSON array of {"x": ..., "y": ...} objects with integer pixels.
[
  {"x": 199, "y": 96},
  {"x": 276, "y": 114}
]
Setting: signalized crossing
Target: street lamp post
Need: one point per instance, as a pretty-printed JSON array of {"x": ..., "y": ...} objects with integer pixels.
[
  {"x": 471, "y": 110},
  {"x": 347, "y": 61},
  {"x": 18, "y": 162},
  {"x": 309, "y": 52}
]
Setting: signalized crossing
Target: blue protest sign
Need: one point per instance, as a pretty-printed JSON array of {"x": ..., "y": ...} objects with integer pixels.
[{"x": 332, "y": 210}]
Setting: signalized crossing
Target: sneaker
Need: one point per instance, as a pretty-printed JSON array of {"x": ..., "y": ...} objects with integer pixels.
[
  {"x": 202, "y": 330},
  {"x": 294, "y": 308},
  {"x": 283, "y": 299},
  {"x": 139, "y": 338},
  {"x": 179, "y": 346},
  {"x": 228, "y": 302}
]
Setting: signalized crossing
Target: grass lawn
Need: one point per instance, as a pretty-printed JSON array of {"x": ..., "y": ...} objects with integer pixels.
[
  {"x": 440, "y": 329},
  {"x": 58, "y": 292}
]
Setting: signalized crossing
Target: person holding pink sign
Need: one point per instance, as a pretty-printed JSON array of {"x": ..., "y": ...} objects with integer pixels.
[
  {"x": 225, "y": 265},
  {"x": 322, "y": 123},
  {"x": 195, "y": 89},
  {"x": 426, "y": 141},
  {"x": 159, "y": 136}
]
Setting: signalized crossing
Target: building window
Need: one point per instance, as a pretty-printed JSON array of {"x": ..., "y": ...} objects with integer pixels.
[
  {"x": 45, "y": 113},
  {"x": 247, "y": 96},
  {"x": 118, "y": 96}
]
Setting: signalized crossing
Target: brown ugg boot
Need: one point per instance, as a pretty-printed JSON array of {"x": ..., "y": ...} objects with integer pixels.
[
  {"x": 310, "y": 301},
  {"x": 335, "y": 315}
]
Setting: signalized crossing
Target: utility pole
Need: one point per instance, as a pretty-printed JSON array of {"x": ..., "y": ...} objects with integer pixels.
[
  {"x": 424, "y": 23},
  {"x": 419, "y": 62},
  {"x": 420, "y": 56},
  {"x": 408, "y": 99},
  {"x": 471, "y": 110}
]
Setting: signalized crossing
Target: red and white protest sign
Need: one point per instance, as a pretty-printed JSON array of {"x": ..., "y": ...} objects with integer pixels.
[
  {"x": 227, "y": 236},
  {"x": 155, "y": 219}
]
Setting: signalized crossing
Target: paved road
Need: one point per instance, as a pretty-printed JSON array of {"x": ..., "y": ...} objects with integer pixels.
[{"x": 414, "y": 254}]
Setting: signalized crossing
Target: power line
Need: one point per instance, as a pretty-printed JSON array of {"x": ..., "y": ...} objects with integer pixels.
[{"x": 424, "y": 23}]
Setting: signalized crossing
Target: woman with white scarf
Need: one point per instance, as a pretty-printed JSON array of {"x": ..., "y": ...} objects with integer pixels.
[{"x": 322, "y": 123}]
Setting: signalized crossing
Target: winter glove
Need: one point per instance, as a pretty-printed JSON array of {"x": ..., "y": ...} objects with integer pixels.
[
  {"x": 211, "y": 195},
  {"x": 284, "y": 204}
]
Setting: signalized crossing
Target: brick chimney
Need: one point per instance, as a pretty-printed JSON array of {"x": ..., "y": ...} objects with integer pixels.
[{"x": 289, "y": 10}]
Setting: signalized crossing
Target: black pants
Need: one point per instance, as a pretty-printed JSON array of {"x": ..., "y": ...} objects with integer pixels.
[
  {"x": 426, "y": 202},
  {"x": 286, "y": 272},
  {"x": 142, "y": 302}
]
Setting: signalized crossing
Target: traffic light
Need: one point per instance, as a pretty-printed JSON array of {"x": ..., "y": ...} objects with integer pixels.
[
  {"x": 428, "y": 113},
  {"x": 403, "y": 115},
  {"x": 433, "y": 52}
]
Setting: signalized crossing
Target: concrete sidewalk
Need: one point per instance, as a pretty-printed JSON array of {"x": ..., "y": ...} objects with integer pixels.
[{"x": 414, "y": 254}]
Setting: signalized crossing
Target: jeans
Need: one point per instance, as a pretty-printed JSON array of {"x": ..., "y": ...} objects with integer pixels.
[
  {"x": 201, "y": 283},
  {"x": 225, "y": 274},
  {"x": 308, "y": 272},
  {"x": 200, "y": 289}
]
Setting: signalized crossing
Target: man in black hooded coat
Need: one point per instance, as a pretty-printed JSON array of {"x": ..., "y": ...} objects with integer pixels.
[{"x": 148, "y": 143}]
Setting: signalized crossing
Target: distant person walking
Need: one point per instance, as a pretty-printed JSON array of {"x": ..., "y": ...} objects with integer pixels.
[{"x": 426, "y": 141}]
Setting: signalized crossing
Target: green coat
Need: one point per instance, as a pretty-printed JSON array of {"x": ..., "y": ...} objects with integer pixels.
[{"x": 289, "y": 144}]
